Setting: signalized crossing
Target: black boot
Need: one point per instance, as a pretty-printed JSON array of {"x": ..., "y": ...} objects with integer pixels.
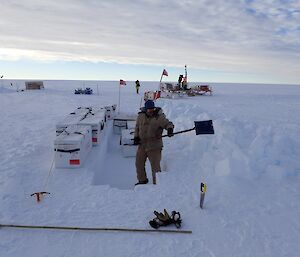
[{"x": 142, "y": 182}]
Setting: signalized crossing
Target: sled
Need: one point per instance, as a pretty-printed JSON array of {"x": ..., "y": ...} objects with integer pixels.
[
  {"x": 81, "y": 91},
  {"x": 88, "y": 91},
  {"x": 202, "y": 90}
]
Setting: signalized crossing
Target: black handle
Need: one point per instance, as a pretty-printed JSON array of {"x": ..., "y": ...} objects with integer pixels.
[{"x": 179, "y": 132}]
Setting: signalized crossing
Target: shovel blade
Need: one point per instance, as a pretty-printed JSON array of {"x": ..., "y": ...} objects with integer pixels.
[{"x": 204, "y": 127}]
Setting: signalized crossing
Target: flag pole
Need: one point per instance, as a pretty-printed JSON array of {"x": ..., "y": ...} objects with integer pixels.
[
  {"x": 1, "y": 81},
  {"x": 119, "y": 97},
  {"x": 159, "y": 86},
  {"x": 141, "y": 103},
  {"x": 122, "y": 82},
  {"x": 161, "y": 77}
]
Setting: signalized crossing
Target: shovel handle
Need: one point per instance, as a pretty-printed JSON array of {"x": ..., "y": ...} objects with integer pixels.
[
  {"x": 175, "y": 133},
  {"x": 182, "y": 131}
]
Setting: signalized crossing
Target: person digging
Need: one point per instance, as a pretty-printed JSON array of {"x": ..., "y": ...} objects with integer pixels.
[{"x": 151, "y": 122}]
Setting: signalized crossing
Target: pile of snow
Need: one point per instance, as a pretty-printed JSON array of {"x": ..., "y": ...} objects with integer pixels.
[
  {"x": 5, "y": 90},
  {"x": 251, "y": 167}
]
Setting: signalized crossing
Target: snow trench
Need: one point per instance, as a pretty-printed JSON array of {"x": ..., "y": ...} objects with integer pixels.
[{"x": 111, "y": 167}]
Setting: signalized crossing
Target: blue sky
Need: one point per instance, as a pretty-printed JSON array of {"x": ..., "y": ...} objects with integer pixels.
[{"x": 219, "y": 41}]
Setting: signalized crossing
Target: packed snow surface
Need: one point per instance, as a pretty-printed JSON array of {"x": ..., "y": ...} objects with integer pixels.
[{"x": 251, "y": 166}]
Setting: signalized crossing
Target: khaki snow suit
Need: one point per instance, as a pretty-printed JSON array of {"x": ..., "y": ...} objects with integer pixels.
[{"x": 149, "y": 129}]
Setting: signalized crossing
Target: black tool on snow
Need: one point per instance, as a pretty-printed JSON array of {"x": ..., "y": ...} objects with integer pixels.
[{"x": 164, "y": 219}]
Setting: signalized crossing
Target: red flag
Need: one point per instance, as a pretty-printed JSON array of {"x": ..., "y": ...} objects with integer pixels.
[
  {"x": 156, "y": 95},
  {"x": 122, "y": 82},
  {"x": 165, "y": 73}
]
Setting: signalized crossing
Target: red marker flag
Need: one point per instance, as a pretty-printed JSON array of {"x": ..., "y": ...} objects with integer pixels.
[
  {"x": 156, "y": 95},
  {"x": 122, "y": 82},
  {"x": 165, "y": 73}
]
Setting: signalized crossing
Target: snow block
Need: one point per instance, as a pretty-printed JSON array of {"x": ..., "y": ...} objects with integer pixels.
[
  {"x": 128, "y": 148},
  {"x": 72, "y": 146}
]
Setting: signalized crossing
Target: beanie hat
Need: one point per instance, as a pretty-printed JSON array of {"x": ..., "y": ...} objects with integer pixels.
[{"x": 149, "y": 104}]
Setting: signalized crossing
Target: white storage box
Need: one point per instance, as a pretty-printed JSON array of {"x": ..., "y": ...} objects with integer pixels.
[
  {"x": 82, "y": 111},
  {"x": 96, "y": 121},
  {"x": 100, "y": 111},
  {"x": 149, "y": 95},
  {"x": 118, "y": 125},
  {"x": 121, "y": 122},
  {"x": 128, "y": 148},
  {"x": 131, "y": 124},
  {"x": 152, "y": 95},
  {"x": 110, "y": 111},
  {"x": 72, "y": 146},
  {"x": 95, "y": 109},
  {"x": 92, "y": 110},
  {"x": 71, "y": 119}
]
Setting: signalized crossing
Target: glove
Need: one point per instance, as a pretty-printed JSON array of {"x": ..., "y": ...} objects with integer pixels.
[
  {"x": 170, "y": 132},
  {"x": 164, "y": 219},
  {"x": 136, "y": 141}
]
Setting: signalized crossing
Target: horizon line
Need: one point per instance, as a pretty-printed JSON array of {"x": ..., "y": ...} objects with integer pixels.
[{"x": 153, "y": 81}]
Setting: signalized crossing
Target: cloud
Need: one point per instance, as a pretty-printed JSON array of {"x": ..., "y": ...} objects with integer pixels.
[{"x": 229, "y": 36}]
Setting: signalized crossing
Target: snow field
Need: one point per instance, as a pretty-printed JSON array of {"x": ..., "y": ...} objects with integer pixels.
[{"x": 250, "y": 165}]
